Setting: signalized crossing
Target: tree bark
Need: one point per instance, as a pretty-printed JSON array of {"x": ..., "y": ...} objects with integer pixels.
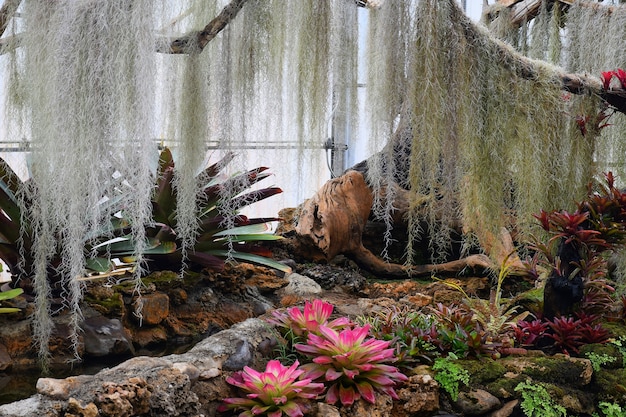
[
  {"x": 195, "y": 42},
  {"x": 332, "y": 222},
  {"x": 7, "y": 11}
]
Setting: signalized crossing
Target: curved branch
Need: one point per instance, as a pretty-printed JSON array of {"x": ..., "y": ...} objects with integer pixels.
[
  {"x": 530, "y": 69},
  {"x": 9, "y": 7},
  {"x": 525, "y": 10},
  {"x": 195, "y": 42}
]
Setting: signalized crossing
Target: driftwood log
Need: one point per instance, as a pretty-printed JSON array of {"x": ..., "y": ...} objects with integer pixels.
[{"x": 332, "y": 222}]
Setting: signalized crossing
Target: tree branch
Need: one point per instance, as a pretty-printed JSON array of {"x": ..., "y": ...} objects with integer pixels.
[
  {"x": 7, "y": 11},
  {"x": 529, "y": 69},
  {"x": 525, "y": 10},
  {"x": 195, "y": 42}
]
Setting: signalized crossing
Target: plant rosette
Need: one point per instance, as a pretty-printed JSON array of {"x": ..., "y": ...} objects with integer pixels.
[
  {"x": 309, "y": 319},
  {"x": 353, "y": 365},
  {"x": 272, "y": 393}
]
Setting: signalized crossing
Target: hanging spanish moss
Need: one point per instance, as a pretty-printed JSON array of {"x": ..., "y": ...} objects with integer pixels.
[
  {"x": 594, "y": 38},
  {"x": 386, "y": 88},
  {"x": 83, "y": 140},
  {"x": 484, "y": 141},
  {"x": 583, "y": 38}
]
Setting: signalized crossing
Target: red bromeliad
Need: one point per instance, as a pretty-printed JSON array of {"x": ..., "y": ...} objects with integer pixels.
[
  {"x": 353, "y": 364},
  {"x": 607, "y": 76},
  {"x": 272, "y": 393}
]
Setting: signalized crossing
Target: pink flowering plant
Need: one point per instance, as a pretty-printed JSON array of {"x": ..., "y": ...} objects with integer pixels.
[
  {"x": 303, "y": 322},
  {"x": 352, "y": 364},
  {"x": 278, "y": 391}
]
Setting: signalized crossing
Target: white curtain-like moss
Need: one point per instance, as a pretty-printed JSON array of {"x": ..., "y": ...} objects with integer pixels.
[
  {"x": 84, "y": 75},
  {"x": 487, "y": 139}
]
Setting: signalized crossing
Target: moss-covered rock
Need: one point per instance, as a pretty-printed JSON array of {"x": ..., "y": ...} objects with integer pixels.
[{"x": 610, "y": 385}]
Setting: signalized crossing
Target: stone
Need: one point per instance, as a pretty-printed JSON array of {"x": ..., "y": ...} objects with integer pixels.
[
  {"x": 129, "y": 398},
  {"x": 12, "y": 337},
  {"x": 209, "y": 374},
  {"x": 506, "y": 410},
  {"x": 152, "y": 309},
  {"x": 240, "y": 358},
  {"x": 192, "y": 372},
  {"x": 104, "y": 337},
  {"x": 329, "y": 277},
  {"x": 419, "y": 395},
  {"x": 76, "y": 409},
  {"x": 301, "y": 285},
  {"x": 576, "y": 404},
  {"x": 476, "y": 402},
  {"x": 28, "y": 407},
  {"x": 178, "y": 296},
  {"x": 147, "y": 336},
  {"x": 382, "y": 408},
  {"x": 327, "y": 410},
  {"x": 60, "y": 389},
  {"x": 5, "y": 358},
  {"x": 419, "y": 300}
]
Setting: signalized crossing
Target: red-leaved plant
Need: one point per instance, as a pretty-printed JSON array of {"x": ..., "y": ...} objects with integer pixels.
[
  {"x": 277, "y": 391},
  {"x": 354, "y": 365}
]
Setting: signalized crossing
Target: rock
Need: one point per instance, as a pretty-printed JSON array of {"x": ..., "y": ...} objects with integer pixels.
[
  {"x": 178, "y": 296},
  {"x": 172, "y": 395},
  {"x": 29, "y": 407},
  {"x": 382, "y": 408},
  {"x": 506, "y": 410},
  {"x": 104, "y": 337},
  {"x": 152, "y": 309},
  {"x": 76, "y": 409},
  {"x": 577, "y": 404},
  {"x": 419, "y": 299},
  {"x": 147, "y": 336},
  {"x": 5, "y": 358},
  {"x": 329, "y": 277},
  {"x": 188, "y": 369},
  {"x": 61, "y": 388},
  {"x": 420, "y": 395},
  {"x": 17, "y": 338},
  {"x": 209, "y": 374},
  {"x": 476, "y": 402},
  {"x": 327, "y": 410},
  {"x": 586, "y": 368},
  {"x": 301, "y": 285},
  {"x": 240, "y": 358},
  {"x": 129, "y": 398}
]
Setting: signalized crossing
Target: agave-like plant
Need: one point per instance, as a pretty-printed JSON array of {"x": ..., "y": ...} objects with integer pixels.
[
  {"x": 7, "y": 295},
  {"x": 353, "y": 365},
  {"x": 308, "y": 320},
  {"x": 272, "y": 393},
  {"x": 217, "y": 239}
]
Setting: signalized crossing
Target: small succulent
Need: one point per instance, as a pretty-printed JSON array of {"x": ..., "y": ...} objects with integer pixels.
[
  {"x": 409, "y": 331},
  {"x": 353, "y": 365},
  {"x": 308, "y": 320},
  {"x": 277, "y": 391}
]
